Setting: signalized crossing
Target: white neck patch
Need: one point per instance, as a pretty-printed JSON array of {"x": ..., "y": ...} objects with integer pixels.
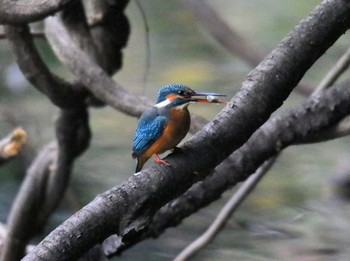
[
  {"x": 166, "y": 102},
  {"x": 163, "y": 104}
]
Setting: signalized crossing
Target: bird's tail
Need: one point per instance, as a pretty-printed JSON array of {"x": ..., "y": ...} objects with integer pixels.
[
  {"x": 140, "y": 162},
  {"x": 138, "y": 166}
]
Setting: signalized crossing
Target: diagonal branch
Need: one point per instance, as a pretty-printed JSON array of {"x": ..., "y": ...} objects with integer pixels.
[
  {"x": 342, "y": 64},
  {"x": 314, "y": 116},
  {"x": 127, "y": 209},
  {"x": 225, "y": 213},
  {"x": 20, "y": 12}
]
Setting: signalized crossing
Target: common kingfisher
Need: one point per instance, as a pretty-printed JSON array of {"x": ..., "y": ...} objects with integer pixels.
[{"x": 163, "y": 126}]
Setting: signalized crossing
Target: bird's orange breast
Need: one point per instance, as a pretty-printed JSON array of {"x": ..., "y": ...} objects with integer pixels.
[{"x": 174, "y": 131}]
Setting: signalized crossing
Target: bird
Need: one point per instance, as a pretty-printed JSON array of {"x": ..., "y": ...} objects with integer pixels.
[{"x": 163, "y": 126}]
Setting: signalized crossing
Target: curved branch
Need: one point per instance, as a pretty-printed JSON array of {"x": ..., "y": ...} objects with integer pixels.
[
  {"x": 62, "y": 93},
  {"x": 89, "y": 73},
  {"x": 19, "y": 12},
  {"x": 127, "y": 209}
]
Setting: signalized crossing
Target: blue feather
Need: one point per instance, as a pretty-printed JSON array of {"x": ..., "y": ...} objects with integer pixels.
[{"x": 149, "y": 129}]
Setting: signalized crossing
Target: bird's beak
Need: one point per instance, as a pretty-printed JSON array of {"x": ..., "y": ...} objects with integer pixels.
[{"x": 206, "y": 97}]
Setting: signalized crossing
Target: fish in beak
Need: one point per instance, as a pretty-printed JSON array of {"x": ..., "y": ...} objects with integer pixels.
[{"x": 206, "y": 97}]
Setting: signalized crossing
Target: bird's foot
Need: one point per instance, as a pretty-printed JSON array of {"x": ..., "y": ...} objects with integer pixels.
[{"x": 159, "y": 160}]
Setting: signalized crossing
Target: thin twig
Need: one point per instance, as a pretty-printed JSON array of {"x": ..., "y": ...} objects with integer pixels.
[
  {"x": 330, "y": 78},
  {"x": 226, "y": 212}
]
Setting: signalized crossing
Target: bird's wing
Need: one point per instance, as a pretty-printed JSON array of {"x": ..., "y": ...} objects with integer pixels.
[{"x": 150, "y": 127}]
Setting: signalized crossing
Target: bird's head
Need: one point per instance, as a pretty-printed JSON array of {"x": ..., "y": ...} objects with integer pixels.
[{"x": 175, "y": 94}]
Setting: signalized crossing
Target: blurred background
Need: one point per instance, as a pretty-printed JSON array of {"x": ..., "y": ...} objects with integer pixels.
[{"x": 298, "y": 212}]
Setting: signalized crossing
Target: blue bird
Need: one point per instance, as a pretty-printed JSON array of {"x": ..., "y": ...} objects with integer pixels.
[{"x": 163, "y": 126}]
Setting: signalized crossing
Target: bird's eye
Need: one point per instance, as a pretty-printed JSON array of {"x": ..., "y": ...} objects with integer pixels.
[{"x": 181, "y": 92}]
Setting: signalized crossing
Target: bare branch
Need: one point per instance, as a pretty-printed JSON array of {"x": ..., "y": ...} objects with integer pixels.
[
  {"x": 60, "y": 92},
  {"x": 312, "y": 117},
  {"x": 225, "y": 213},
  {"x": 15, "y": 12},
  {"x": 89, "y": 73},
  {"x": 341, "y": 129},
  {"x": 12, "y": 144},
  {"x": 46, "y": 182},
  {"x": 21, "y": 221},
  {"x": 340, "y": 67},
  {"x": 127, "y": 209}
]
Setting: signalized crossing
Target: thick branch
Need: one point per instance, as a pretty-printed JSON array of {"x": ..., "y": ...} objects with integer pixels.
[
  {"x": 225, "y": 213},
  {"x": 20, "y": 12},
  {"x": 291, "y": 127},
  {"x": 127, "y": 209}
]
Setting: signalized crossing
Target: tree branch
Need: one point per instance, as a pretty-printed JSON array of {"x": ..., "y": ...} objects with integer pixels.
[
  {"x": 339, "y": 68},
  {"x": 314, "y": 116},
  {"x": 21, "y": 221},
  {"x": 19, "y": 12},
  {"x": 61, "y": 93},
  {"x": 225, "y": 213},
  {"x": 45, "y": 182},
  {"x": 127, "y": 209},
  {"x": 89, "y": 73}
]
